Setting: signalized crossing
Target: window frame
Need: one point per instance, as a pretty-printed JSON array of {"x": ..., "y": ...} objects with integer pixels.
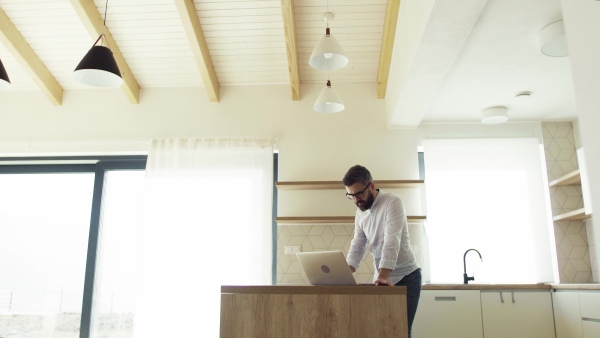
[{"x": 99, "y": 165}]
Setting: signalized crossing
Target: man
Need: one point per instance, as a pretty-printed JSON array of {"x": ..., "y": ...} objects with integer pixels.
[{"x": 381, "y": 221}]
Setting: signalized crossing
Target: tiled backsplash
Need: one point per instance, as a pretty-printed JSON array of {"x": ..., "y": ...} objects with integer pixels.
[
  {"x": 572, "y": 248},
  {"x": 328, "y": 238}
]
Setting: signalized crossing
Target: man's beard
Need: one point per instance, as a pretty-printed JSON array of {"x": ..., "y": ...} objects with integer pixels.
[{"x": 365, "y": 205}]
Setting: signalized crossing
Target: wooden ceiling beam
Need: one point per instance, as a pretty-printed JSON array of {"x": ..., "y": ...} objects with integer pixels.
[
  {"x": 387, "y": 46},
  {"x": 94, "y": 23},
  {"x": 289, "y": 26},
  {"x": 193, "y": 30},
  {"x": 29, "y": 60}
]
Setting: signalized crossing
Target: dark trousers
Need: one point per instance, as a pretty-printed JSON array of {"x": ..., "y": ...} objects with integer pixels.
[{"x": 412, "y": 281}]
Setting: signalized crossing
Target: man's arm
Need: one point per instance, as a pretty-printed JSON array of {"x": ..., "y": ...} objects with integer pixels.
[{"x": 358, "y": 247}]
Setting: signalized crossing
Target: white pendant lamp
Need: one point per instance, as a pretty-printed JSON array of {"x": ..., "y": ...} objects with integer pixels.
[
  {"x": 4, "y": 80},
  {"x": 98, "y": 67},
  {"x": 329, "y": 101},
  {"x": 328, "y": 55}
]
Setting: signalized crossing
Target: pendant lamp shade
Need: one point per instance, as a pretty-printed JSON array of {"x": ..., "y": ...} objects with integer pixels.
[
  {"x": 328, "y": 55},
  {"x": 329, "y": 101},
  {"x": 98, "y": 68},
  {"x": 4, "y": 80}
]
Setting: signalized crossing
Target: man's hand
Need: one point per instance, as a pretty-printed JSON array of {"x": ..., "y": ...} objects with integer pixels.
[
  {"x": 383, "y": 282},
  {"x": 384, "y": 278},
  {"x": 352, "y": 268}
]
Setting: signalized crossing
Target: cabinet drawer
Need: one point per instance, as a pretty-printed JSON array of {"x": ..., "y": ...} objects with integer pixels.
[
  {"x": 591, "y": 329},
  {"x": 448, "y": 314},
  {"x": 589, "y": 303}
]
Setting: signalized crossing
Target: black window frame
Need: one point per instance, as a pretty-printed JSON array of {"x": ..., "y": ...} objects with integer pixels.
[{"x": 99, "y": 165}]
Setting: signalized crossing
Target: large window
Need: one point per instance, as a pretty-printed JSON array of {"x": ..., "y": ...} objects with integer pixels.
[
  {"x": 44, "y": 226},
  {"x": 69, "y": 237},
  {"x": 117, "y": 266},
  {"x": 74, "y": 239},
  {"x": 488, "y": 194}
]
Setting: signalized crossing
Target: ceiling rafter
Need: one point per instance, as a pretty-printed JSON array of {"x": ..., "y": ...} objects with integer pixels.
[
  {"x": 193, "y": 30},
  {"x": 94, "y": 23},
  {"x": 387, "y": 46},
  {"x": 29, "y": 60},
  {"x": 289, "y": 26}
]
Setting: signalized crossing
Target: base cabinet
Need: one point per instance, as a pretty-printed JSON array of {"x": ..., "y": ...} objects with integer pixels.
[
  {"x": 567, "y": 316},
  {"x": 576, "y": 313},
  {"x": 591, "y": 329},
  {"x": 589, "y": 303},
  {"x": 448, "y": 314},
  {"x": 517, "y": 314}
]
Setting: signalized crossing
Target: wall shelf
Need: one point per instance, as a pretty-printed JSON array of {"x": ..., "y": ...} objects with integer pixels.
[
  {"x": 333, "y": 220},
  {"x": 572, "y": 178},
  {"x": 575, "y": 215},
  {"x": 330, "y": 185}
]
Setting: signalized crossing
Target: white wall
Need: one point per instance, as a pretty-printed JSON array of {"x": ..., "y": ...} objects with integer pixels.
[
  {"x": 583, "y": 31},
  {"x": 312, "y": 146}
]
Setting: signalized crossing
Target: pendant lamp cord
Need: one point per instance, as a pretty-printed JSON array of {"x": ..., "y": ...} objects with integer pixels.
[
  {"x": 103, "y": 26},
  {"x": 326, "y": 21},
  {"x": 104, "y": 22}
]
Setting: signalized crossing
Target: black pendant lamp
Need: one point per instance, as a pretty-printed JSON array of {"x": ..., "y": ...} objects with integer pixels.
[
  {"x": 98, "y": 67},
  {"x": 4, "y": 80}
]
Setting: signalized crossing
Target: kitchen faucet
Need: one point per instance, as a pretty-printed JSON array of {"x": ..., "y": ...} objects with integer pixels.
[{"x": 465, "y": 277}]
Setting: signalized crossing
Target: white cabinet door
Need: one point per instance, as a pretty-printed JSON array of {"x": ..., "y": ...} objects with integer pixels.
[
  {"x": 590, "y": 313},
  {"x": 567, "y": 317},
  {"x": 590, "y": 304},
  {"x": 517, "y": 314},
  {"x": 448, "y": 314},
  {"x": 591, "y": 329}
]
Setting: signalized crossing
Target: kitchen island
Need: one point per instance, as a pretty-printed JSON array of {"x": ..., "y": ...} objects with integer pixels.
[{"x": 313, "y": 311}]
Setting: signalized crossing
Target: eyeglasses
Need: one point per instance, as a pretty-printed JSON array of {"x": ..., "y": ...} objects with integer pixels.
[{"x": 359, "y": 194}]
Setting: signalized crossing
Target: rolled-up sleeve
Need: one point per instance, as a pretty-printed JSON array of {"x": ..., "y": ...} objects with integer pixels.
[
  {"x": 395, "y": 220},
  {"x": 358, "y": 246}
]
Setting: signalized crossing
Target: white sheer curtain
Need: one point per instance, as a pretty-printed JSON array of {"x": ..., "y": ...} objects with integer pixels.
[
  {"x": 207, "y": 223},
  {"x": 488, "y": 194}
]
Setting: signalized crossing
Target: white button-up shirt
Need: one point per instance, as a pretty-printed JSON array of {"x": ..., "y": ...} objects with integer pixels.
[{"x": 385, "y": 228}]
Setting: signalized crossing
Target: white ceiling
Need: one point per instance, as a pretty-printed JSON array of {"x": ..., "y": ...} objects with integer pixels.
[
  {"x": 500, "y": 58},
  {"x": 472, "y": 54}
]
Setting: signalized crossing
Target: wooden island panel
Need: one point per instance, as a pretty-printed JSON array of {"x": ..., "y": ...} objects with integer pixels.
[{"x": 310, "y": 311}]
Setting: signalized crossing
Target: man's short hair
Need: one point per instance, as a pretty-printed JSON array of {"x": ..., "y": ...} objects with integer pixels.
[{"x": 356, "y": 174}]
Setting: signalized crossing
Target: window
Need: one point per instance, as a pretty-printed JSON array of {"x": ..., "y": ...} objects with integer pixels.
[
  {"x": 488, "y": 194},
  {"x": 47, "y": 285},
  {"x": 71, "y": 244},
  {"x": 44, "y": 226}
]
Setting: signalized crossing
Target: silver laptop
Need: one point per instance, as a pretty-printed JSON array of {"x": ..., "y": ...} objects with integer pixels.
[{"x": 326, "y": 268}]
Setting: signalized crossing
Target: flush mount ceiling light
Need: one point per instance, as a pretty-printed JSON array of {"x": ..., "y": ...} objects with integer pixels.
[
  {"x": 494, "y": 115},
  {"x": 553, "y": 41},
  {"x": 98, "y": 67},
  {"x": 4, "y": 80},
  {"x": 329, "y": 101},
  {"x": 328, "y": 54}
]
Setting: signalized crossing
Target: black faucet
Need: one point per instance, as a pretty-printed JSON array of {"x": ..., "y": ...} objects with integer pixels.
[{"x": 465, "y": 277}]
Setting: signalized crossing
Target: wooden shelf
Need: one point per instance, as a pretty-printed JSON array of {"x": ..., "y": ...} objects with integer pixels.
[
  {"x": 572, "y": 178},
  {"x": 575, "y": 215},
  {"x": 332, "y": 220},
  {"x": 329, "y": 185}
]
